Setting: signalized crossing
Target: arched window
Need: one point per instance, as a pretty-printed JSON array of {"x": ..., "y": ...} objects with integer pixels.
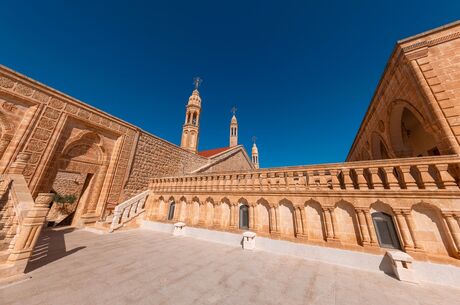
[
  {"x": 172, "y": 207},
  {"x": 385, "y": 230},
  {"x": 194, "y": 119},
  {"x": 244, "y": 217}
]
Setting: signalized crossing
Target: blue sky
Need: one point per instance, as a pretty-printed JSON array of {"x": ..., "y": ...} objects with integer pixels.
[{"x": 301, "y": 73}]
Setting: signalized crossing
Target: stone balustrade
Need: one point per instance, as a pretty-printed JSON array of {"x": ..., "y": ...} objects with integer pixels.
[
  {"x": 126, "y": 211},
  {"x": 345, "y": 205},
  {"x": 425, "y": 173},
  {"x": 22, "y": 220}
]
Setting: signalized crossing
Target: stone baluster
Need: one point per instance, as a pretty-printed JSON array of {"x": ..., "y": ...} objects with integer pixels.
[
  {"x": 454, "y": 228},
  {"x": 291, "y": 185},
  {"x": 446, "y": 178},
  {"x": 393, "y": 182},
  {"x": 428, "y": 182},
  {"x": 377, "y": 182},
  {"x": 409, "y": 180},
  {"x": 312, "y": 180},
  {"x": 347, "y": 181},
  {"x": 263, "y": 182},
  {"x": 335, "y": 183},
  {"x": 360, "y": 179}
]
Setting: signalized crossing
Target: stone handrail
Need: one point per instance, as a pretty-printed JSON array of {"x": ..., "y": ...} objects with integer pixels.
[
  {"x": 422, "y": 173},
  {"x": 23, "y": 221},
  {"x": 127, "y": 210}
]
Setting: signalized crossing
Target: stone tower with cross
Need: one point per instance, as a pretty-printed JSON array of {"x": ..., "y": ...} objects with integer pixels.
[
  {"x": 191, "y": 127},
  {"x": 233, "y": 129}
]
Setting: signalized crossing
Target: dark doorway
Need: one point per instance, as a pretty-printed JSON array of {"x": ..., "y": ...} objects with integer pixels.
[
  {"x": 172, "y": 207},
  {"x": 244, "y": 217},
  {"x": 385, "y": 230}
]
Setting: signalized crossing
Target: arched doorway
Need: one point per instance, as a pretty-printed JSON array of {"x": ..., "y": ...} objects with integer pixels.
[
  {"x": 385, "y": 229},
  {"x": 244, "y": 217},
  {"x": 172, "y": 208}
]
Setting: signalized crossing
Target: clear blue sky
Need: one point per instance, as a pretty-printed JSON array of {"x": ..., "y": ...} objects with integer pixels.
[{"x": 300, "y": 73}]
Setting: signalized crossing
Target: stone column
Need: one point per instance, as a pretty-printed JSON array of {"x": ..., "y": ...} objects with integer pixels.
[
  {"x": 363, "y": 227},
  {"x": 277, "y": 218},
  {"x": 404, "y": 230},
  {"x": 202, "y": 214},
  {"x": 299, "y": 229},
  {"x": 232, "y": 216},
  {"x": 410, "y": 224},
  {"x": 370, "y": 227},
  {"x": 330, "y": 224},
  {"x": 272, "y": 219},
  {"x": 217, "y": 216},
  {"x": 454, "y": 228},
  {"x": 446, "y": 177},
  {"x": 251, "y": 217}
]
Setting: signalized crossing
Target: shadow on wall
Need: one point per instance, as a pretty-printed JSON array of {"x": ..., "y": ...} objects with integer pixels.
[{"x": 50, "y": 247}]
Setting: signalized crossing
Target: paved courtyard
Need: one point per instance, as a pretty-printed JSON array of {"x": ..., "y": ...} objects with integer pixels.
[{"x": 145, "y": 267}]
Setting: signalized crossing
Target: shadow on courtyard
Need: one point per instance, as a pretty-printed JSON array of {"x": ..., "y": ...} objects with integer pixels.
[{"x": 50, "y": 247}]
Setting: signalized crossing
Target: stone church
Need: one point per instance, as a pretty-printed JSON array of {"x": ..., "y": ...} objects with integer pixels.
[{"x": 64, "y": 162}]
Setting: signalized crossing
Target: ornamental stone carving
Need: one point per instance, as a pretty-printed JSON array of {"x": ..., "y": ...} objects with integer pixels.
[
  {"x": 6, "y": 82},
  {"x": 55, "y": 103},
  {"x": 24, "y": 90},
  {"x": 44, "y": 199}
]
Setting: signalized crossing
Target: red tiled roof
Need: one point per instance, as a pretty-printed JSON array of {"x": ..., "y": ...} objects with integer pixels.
[{"x": 211, "y": 152}]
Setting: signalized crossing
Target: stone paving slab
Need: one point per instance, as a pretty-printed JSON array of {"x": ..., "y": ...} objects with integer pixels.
[{"x": 145, "y": 267}]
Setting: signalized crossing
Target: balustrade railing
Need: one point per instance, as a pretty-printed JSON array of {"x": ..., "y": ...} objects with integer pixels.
[
  {"x": 127, "y": 210},
  {"x": 423, "y": 173},
  {"x": 22, "y": 220}
]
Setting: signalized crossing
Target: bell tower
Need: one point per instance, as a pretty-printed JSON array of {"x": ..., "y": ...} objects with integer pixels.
[
  {"x": 233, "y": 129},
  {"x": 191, "y": 127},
  {"x": 255, "y": 153}
]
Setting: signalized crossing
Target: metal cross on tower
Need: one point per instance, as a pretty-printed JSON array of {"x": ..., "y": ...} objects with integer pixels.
[
  {"x": 254, "y": 139},
  {"x": 197, "y": 82},
  {"x": 234, "y": 110}
]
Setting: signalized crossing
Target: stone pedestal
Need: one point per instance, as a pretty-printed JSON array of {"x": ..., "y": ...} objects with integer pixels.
[
  {"x": 179, "y": 229},
  {"x": 401, "y": 264},
  {"x": 249, "y": 240}
]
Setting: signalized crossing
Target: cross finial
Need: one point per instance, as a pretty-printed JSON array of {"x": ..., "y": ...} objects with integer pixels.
[
  {"x": 197, "y": 82},
  {"x": 234, "y": 110},
  {"x": 254, "y": 139}
]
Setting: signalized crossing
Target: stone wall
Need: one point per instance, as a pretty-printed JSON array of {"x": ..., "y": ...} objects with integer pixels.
[{"x": 155, "y": 157}]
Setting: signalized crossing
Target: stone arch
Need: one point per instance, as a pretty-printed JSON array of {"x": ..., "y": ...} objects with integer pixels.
[
  {"x": 347, "y": 223},
  {"x": 182, "y": 208},
  {"x": 263, "y": 215},
  {"x": 286, "y": 218},
  {"x": 430, "y": 229},
  {"x": 387, "y": 228},
  {"x": 315, "y": 220},
  {"x": 410, "y": 133},
  {"x": 379, "y": 147}
]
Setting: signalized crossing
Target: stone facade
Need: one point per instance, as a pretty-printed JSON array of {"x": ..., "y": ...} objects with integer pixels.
[{"x": 415, "y": 109}]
